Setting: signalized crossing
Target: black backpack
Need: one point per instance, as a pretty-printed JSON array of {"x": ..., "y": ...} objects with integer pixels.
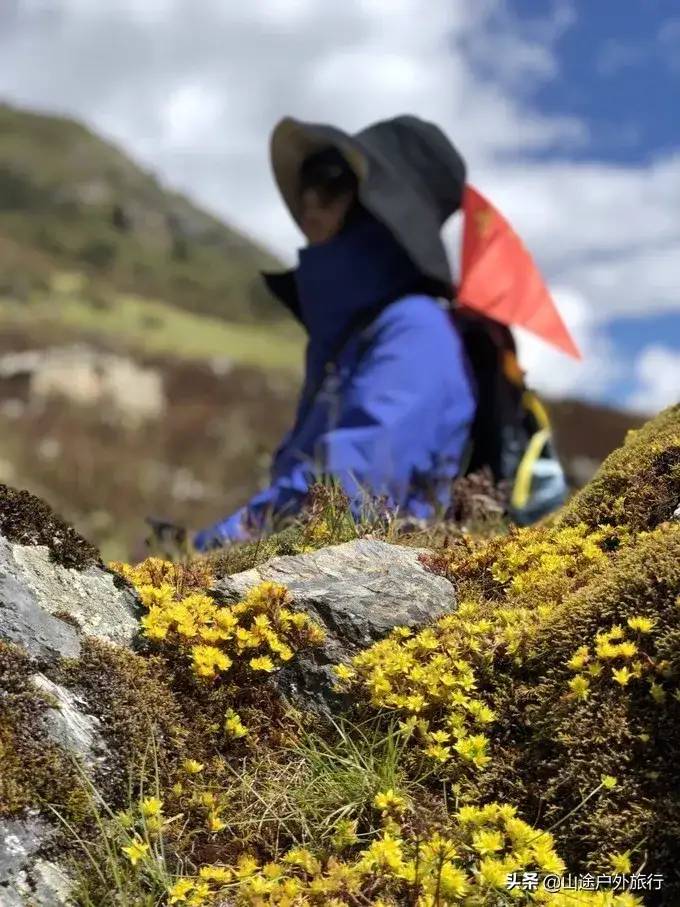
[{"x": 511, "y": 435}]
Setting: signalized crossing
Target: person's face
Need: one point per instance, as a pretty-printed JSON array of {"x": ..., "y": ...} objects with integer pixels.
[{"x": 321, "y": 218}]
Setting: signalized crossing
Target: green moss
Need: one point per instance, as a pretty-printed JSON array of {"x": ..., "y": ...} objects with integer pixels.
[
  {"x": 138, "y": 711},
  {"x": 239, "y": 557},
  {"x": 638, "y": 485},
  {"x": 550, "y": 749},
  {"x": 27, "y": 520},
  {"x": 34, "y": 771}
]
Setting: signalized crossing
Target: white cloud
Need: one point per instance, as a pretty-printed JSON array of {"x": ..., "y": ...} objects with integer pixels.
[
  {"x": 658, "y": 371},
  {"x": 558, "y": 375},
  {"x": 190, "y": 114},
  {"x": 194, "y": 89}
]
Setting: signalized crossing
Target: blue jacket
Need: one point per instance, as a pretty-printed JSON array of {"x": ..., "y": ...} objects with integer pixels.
[{"x": 394, "y": 416}]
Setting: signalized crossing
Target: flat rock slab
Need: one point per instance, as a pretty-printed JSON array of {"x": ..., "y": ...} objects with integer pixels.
[
  {"x": 358, "y": 592},
  {"x": 47, "y": 608}
]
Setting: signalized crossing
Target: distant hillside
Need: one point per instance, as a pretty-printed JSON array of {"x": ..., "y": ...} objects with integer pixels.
[
  {"x": 70, "y": 201},
  {"x": 586, "y": 433}
]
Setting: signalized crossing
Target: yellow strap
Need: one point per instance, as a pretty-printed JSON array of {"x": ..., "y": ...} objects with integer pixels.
[
  {"x": 531, "y": 402},
  {"x": 522, "y": 486}
]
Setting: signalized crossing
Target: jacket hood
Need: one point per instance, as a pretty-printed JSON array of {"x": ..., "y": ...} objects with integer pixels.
[{"x": 356, "y": 273}]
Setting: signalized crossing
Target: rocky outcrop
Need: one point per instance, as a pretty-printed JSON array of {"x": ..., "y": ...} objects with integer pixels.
[
  {"x": 46, "y": 608},
  {"x": 358, "y": 592},
  {"x": 54, "y": 593}
]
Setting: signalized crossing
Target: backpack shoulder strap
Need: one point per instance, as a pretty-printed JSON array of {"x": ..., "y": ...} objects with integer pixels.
[{"x": 499, "y": 383}]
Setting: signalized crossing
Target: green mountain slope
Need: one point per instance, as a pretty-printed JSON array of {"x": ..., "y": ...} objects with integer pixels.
[{"x": 70, "y": 201}]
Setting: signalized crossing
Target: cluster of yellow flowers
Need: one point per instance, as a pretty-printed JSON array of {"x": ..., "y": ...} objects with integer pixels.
[
  {"x": 470, "y": 861},
  {"x": 426, "y": 678},
  {"x": 262, "y": 629},
  {"x": 431, "y": 677},
  {"x": 539, "y": 564},
  {"x": 622, "y": 654}
]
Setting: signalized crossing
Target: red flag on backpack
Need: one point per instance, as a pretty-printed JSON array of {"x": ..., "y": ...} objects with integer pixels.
[{"x": 500, "y": 279}]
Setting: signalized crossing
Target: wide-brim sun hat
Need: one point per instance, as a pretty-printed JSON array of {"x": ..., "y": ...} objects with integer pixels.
[{"x": 410, "y": 177}]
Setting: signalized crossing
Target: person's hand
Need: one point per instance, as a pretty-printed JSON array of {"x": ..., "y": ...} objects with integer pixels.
[{"x": 230, "y": 530}]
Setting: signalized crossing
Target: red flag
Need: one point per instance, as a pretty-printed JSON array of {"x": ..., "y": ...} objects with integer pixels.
[{"x": 500, "y": 279}]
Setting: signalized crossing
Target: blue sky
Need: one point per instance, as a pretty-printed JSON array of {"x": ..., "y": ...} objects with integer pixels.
[
  {"x": 619, "y": 72},
  {"x": 565, "y": 110}
]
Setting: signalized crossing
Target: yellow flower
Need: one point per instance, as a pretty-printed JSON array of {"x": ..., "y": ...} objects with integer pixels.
[
  {"x": 453, "y": 883},
  {"x": 192, "y": 767},
  {"x": 179, "y": 891},
  {"x": 440, "y": 753},
  {"x": 125, "y": 819},
  {"x": 209, "y": 659},
  {"x": 225, "y": 619},
  {"x": 609, "y": 782},
  {"x": 579, "y": 659},
  {"x": 216, "y": 824},
  {"x": 473, "y": 749},
  {"x": 606, "y": 649},
  {"x": 622, "y": 675},
  {"x": 580, "y": 686},
  {"x": 151, "y": 806},
  {"x": 215, "y": 874},
  {"x": 345, "y": 833},
  {"x": 233, "y": 725},
  {"x": 620, "y": 863},
  {"x": 155, "y": 624},
  {"x": 263, "y": 663},
  {"x": 487, "y": 842},
  {"x": 246, "y": 866},
  {"x": 200, "y": 895},
  {"x": 545, "y": 856},
  {"x": 627, "y": 649},
  {"x": 300, "y": 856},
  {"x": 389, "y": 801},
  {"x": 384, "y": 853},
  {"x": 641, "y": 624},
  {"x": 493, "y": 873},
  {"x": 136, "y": 851},
  {"x": 344, "y": 672}
]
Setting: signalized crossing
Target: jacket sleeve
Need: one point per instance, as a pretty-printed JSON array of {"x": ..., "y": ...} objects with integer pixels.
[{"x": 389, "y": 415}]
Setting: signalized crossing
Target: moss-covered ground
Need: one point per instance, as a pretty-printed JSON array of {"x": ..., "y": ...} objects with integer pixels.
[{"x": 534, "y": 729}]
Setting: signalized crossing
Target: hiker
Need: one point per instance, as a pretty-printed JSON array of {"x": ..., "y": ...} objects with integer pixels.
[{"x": 390, "y": 397}]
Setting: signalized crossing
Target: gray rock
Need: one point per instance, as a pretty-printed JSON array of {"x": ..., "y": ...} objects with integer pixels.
[
  {"x": 69, "y": 725},
  {"x": 35, "y": 593},
  {"x": 358, "y": 592},
  {"x": 24, "y": 622},
  {"x": 676, "y": 513},
  {"x": 25, "y": 877}
]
